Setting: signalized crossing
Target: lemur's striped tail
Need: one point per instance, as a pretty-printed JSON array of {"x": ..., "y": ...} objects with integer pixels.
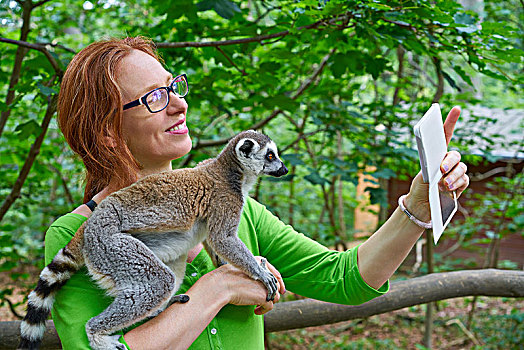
[{"x": 40, "y": 301}]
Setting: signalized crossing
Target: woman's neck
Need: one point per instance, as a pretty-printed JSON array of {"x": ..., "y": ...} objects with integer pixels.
[
  {"x": 145, "y": 171},
  {"x": 154, "y": 169}
]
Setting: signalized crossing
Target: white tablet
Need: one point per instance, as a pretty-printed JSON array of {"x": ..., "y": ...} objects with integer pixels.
[{"x": 432, "y": 149}]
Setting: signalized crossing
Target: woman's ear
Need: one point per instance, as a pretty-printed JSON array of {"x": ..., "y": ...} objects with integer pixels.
[{"x": 109, "y": 139}]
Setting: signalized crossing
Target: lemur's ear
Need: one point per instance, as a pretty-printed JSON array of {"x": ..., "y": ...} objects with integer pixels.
[{"x": 246, "y": 147}]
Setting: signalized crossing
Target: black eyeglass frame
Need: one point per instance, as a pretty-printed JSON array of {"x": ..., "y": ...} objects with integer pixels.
[{"x": 143, "y": 100}]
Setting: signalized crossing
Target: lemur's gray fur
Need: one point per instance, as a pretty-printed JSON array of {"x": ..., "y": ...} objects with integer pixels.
[{"x": 135, "y": 244}]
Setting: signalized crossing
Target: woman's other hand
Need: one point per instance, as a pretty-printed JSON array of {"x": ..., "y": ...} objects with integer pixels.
[{"x": 243, "y": 290}]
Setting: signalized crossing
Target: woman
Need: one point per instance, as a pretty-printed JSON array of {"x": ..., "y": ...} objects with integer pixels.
[{"x": 120, "y": 139}]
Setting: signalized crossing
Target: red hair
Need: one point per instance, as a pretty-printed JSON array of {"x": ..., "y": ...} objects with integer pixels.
[{"x": 90, "y": 112}]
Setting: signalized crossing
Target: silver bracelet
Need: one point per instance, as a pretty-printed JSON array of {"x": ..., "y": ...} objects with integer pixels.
[{"x": 419, "y": 223}]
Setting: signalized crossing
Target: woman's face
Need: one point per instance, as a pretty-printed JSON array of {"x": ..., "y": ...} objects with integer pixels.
[{"x": 151, "y": 137}]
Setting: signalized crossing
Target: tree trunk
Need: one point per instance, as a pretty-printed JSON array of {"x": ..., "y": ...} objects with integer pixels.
[
  {"x": 10, "y": 336},
  {"x": 428, "y": 322}
]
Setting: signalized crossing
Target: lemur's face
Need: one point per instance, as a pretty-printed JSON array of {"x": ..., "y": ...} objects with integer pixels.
[{"x": 260, "y": 158}]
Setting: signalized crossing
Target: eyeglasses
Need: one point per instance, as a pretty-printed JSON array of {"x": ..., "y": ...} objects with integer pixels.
[{"x": 158, "y": 99}]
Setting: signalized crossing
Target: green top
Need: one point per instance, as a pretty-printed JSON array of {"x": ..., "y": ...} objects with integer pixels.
[{"x": 308, "y": 269}]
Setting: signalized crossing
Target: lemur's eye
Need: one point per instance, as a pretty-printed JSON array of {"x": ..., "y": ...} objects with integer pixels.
[{"x": 270, "y": 156}]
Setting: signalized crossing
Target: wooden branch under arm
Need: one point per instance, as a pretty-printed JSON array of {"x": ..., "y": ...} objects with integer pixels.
[{"x": 415, "y": 291}]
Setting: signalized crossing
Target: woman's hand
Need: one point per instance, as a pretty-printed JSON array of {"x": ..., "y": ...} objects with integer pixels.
[
  {"x": 243, "y": 290},
  {"x": 454, "y": 175}
]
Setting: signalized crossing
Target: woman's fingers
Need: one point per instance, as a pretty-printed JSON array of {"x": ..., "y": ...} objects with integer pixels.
[
  {"x": 263, "y": 308},
  {"x": 461, "y": 184},
  {"x": 449, "y": 123},
  {"x": 281, "y": 285},
  {"x": 451, "y": 160},
  {"x": 456, "y": 179}
]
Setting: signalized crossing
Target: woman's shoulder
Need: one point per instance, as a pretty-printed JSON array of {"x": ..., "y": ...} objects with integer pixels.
[
  {"x": 253, "y": 207},
  {"x": 60, "y": 233},
  {"x": 70, "y": 220}
]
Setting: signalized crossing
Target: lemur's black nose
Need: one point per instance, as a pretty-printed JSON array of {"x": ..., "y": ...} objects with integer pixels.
[{"x": 280, "y": 172}]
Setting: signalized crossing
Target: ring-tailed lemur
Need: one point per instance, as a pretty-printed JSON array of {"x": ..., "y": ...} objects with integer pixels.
[{"x": 135, "y": 243}]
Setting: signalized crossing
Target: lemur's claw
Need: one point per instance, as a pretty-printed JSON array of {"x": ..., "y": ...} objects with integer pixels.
[
  {"x": 270, "y": 281},
  {"x": 180, "y": 298}
]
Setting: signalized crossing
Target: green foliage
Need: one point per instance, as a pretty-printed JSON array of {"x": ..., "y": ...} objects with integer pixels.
[
  {"x": 328, "y": 70},
  {"x": 504, "y": 331},
  {"x": 493, "y": 328}
]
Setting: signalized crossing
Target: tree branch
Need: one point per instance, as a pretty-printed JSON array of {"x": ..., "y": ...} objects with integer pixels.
[
  {"x": 33, "y": 152},
  {"x": 243, "y": 72},
  {"x": 12, "y": 308},
  {"x": 440, "y": 85},
  {"x": 400, "y": 24},
  {"x": 416, "y": 291},
  {"x": 17, "y": 67},
  {"x": 64, "y": 184},
  {"x": 40, "y": 3},
  {"x": 258, "y": 38},
  {"x": 38, "y": 47},
  {"x": 400, "y": 72}
]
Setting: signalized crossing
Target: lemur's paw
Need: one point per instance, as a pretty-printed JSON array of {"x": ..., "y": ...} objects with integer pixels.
[
  {"x": 180, "y": 298},
  {"x": 269, "y": 280}
]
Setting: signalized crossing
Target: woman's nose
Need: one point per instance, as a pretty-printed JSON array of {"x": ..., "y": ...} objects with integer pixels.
[{"x": 176, "y": 104}]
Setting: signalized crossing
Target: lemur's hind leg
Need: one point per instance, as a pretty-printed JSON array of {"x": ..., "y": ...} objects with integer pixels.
[
  {"x": 217, "y": 261},
  {"x": 140, "y": 283},
  {"x": 178, "y": 267}
]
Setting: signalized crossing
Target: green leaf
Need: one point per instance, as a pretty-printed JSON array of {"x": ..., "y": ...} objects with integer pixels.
[
  {"x": 463, "y": 74},
  {"x": 519, "y": 220},
  {"x": 286, "y": 178},
  {"x": 451, "y": 81},
  {"x": 383, "y": 174},
  {"x": 293, "y": 159},
  {"x": 378, "y": 6},
  {"x": 376, "y": 66},
  {"x": 282, "y": 102},
  {"x": 47, "y": 91},
  {"x": 340, "y": 65},
  {"x": 377, "y": 195},
  {"x": 224, "y": 8},
  {"x": 315, "y": 178},
  {"x": 27, "y": 129}
]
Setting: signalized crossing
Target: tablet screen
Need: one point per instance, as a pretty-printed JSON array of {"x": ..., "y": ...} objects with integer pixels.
[{"x": 448, "y": 206}]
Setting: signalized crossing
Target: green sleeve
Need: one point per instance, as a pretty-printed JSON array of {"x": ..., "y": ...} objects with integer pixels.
[
  {"x": 79, "y": 299},
  {"x": 308, "y": 268}
]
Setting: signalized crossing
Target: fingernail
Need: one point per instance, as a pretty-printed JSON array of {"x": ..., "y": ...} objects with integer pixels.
[
  {"x": 451, "y": 187},
  {"x": 445, "y": 167},
  {"x": 448, "y": 181}
]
